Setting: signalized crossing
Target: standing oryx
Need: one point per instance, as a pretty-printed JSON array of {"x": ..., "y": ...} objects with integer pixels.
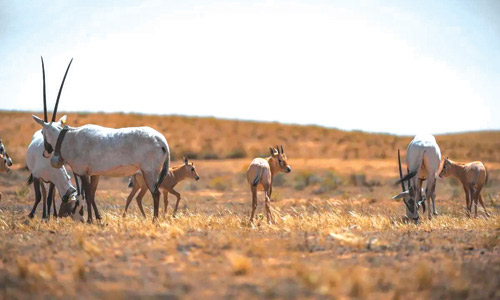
[
  {"x": 92, "y": 151},
  {"x": 42, "y": 171},
  {"x": 6, "y": 160},
  {"x": 261, "y": 173},
  {"x": 423, "y": 158}
]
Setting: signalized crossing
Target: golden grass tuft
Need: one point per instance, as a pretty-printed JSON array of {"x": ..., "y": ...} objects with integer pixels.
[{"x": 240, "y": 264}]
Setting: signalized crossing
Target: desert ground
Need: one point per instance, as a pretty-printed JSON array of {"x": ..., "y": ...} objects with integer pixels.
[{"x": 338, "y": 233}]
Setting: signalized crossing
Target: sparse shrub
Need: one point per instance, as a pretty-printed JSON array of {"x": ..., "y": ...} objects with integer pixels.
[
  {"x": 358, "y": 179},
  {"x": 23, "y": 191},
  {"x": 330, "y": 181},
  {"x": 237, "y": 153},
  {"x": 219, "y": 183},
  {"x": 304, "y": 179}
]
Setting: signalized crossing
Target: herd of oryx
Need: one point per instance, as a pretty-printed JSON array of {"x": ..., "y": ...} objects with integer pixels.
[{"x": 143, "y": 154}]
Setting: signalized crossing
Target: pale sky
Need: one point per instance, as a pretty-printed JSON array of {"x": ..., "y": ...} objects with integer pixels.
[{"x": 401, "y": 67}]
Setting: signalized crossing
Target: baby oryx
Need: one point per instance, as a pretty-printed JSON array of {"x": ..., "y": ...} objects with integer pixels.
[
  {"x": 261, "y": 172},
  {"x": 423, "y": 158},
  {"x": 42, "y": 172},
  {"x": 92, "y": 151},
  {"x": 174, "y": 176},
  {"x": 473, "y": 177}
]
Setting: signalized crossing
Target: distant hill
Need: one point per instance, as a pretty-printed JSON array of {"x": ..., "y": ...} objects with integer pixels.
[{"x": 211, "y": 138}]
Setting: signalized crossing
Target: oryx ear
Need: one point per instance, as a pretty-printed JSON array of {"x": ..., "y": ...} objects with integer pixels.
[
  {"x": 62, "y": 120},
  {"x": 271, "y": 150},
  {"x": 38, "y": 120},
  {"x": 401, "y": 195}
]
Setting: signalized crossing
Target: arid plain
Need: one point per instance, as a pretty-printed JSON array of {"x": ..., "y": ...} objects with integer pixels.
[{"x": 338, "y": 233}]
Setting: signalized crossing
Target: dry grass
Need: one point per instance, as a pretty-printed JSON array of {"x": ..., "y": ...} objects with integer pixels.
[{"x": 338, "y": 233}]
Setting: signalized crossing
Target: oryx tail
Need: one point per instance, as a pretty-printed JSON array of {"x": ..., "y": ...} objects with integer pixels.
[
  {"x": 414, "y": 166},
  {"x": 164, "y": 170},
  {"x": 257, "y": 178}
]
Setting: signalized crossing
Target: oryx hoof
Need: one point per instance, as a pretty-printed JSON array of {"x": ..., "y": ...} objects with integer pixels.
[
  {"x": 435, "y": 213},
  {"x": 31, "y": 216}
]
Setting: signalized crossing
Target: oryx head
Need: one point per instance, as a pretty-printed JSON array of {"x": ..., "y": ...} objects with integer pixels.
[
  {"x": 6, "y": 159},
  {"x": 4, "y": 167},
  {"x": 74, "y": 207},
  {"x": 278, "y": 156},
  {"x": 445, "y": 171},
  {"x": 52, "y": 129},
  {"x": 190, "y": 170}
]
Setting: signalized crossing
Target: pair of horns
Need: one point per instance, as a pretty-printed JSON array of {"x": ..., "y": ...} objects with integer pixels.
[{"x": 45, "y": 118}]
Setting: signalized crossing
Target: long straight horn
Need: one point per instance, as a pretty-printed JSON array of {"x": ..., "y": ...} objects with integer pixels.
[
  {"x": 45, "y": 118},
  {"x": 401, "y": 172},
  {"x": 59, "y": 94}
]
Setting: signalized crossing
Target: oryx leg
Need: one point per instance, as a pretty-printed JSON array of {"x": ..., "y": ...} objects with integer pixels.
[
  {"x": 431, "y": 186},
  {"x": 44, "y": 200},
  {"x": 420, "y": 182},
  {"x": 50, "y": 200},
  {"x": 86, "y": 187},
  {"x": 467, "y": 199},
  {"x": 139, "y": 200},
  {"x": 178, "y": 196},
  {"x": 475, "y": 195},
  {"x": 269, "y": 215},
  {"x": 434, "y": 211},
  {"x": 94, "y": 181},
  {"x": 165, "y": 202},
  {"x": 254, "y": 202},
  {"x": 482, "y": 204},
  {"x": 38, "y": 196},
  {"x": 134, "y": 190},
  {"x": 150, "y": 178}
]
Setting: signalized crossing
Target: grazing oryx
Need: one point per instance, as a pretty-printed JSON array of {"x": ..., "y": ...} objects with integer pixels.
[
  {"x": 261, "y": 173},
  {"x": 423, "y": 158},
  {"x": 92, "y": 151},
  {"x": 473, "y": 177},
  {"x": 6, "y": 160},
  {"x": 4, "y": 167},
  {"x": 174, "y": 176},
  {"x": 42, "y": 171}
]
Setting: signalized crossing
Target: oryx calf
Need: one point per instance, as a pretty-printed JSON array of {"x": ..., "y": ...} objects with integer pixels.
[
  {"x": 261, "y": 172},
  {"x": 174, "y": 176},
  {"x": 473, "y": 177},
  {"x": 42, "y": 172},
  {"x": 423, "y": 158}
]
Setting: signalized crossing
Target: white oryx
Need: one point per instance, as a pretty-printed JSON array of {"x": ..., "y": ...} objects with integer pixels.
[
  {"x": 6, "y": 160},
  {"x": 423, "y": 158},
  {"x": 92, "y": 151},
  {"x": 42, "y": 172}
]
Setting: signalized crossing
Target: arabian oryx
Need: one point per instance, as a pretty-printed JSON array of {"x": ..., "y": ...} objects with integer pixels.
[
  {"x": 174, "y": 176},
  {"x": 473, "y": 177},
  {"x": 6, "y": 162},
  {"x": 92, "y": 151},
  {"x": 423, "y": 158},
  {"x": 261, "y": 172},
  {"x": 42, "y": 172}
]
